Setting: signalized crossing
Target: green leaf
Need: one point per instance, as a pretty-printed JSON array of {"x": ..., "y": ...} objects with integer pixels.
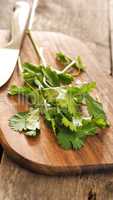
[
  {"x": 64, "y": 139},
  {"x": 66, "y": 60},
  {"x": 51, "y": 76},
  {"x": 14, "y": 90},
  {"x": 63, "y": 59},
  {"x": 95, "y": 109},
  {"x": 79, "y": 64},
  {"x": 69, "y": 124},
  {"x": 49, "y": 116},
  {"x": 81, "y": 90},
  {"x": 32, "y": 120},
  {"x": 68, "y": 140},
  {"x": 18, "y": 121},
  {"x": 77, "y": 143},
  {"x": 70, "y": 111},
  {"x": 50, "y": 94},
  {"x": 28, "y": 67},
  {"x": 72, "y": 106},
  {"x": 88, "y": 128},
  {"x": 45, "y": 76},
  {"x": 65, "y": 78},
  {"x": 101, "y": 122},
  {"x": 32, "y": 73},
  {"x": 38, "y": 81},
  {"x": 28, "y": 122}
]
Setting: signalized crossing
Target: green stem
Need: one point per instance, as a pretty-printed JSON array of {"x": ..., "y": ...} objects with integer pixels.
[
  {"x": 68, "y": 66},
  {"x": 37, "y": 49},
  {"x": 20, "y": 65}
]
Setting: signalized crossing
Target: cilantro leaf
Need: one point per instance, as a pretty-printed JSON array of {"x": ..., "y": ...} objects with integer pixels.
[
  {"x": 49, "y": 116},
  {"x": 88, "y": 128},
  {"x": 83, "y": 89},
  {"x": 66, "y": 60},
  {"x": 70, "y": 111},
  {"x": 28, "y": 67},
  {"x": 74, "y": 138},
  {"x": 67, "y": 123},
  {"x": 50, "y": 94},
  {"x": 32, "y": 120},
  {"x": 14, "y": 90},
  {"x": 65, "y": 78},
  {"x": 68, "y": 140},
  {"x": 32, "y": 73},
  {"x": 79, "y": 63},
  {"x": 72, "y": 106},
  {"x": 51, "y": 76},
  {"x": 18, "y": 121},
  {"x": 77, "y": 143},
  {"x": 95, "y": 109},
  {"x": 28, "y": 122},
  {"x": 45, "y": 76},
  {"x": 64, "y": 139}
]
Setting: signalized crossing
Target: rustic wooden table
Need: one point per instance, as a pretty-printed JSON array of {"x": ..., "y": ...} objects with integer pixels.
[{"x": 90, "y": 21}]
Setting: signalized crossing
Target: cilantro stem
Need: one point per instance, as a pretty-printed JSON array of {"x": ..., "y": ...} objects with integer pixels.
[
  {"x": 21, "y": 71},
  {"x": 36, "y": 90},
  {"x": 68, "y": 66},
  {"x": 38, "y": 50},
  {"x": 40, "y": 53},
  {"x": 20, "y": 65}
]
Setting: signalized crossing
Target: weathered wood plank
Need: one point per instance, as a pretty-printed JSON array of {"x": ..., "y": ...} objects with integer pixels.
[
  {"x": 17, "y": 183},
  {"x": 111, "y": 32},
  {"x": 1, "y": 152}
]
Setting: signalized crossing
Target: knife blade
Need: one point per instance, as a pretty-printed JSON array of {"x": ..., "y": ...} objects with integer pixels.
[{"x": 10, "y": 52}]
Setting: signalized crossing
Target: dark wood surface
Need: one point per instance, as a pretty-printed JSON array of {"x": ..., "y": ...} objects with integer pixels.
[
  {"x": 17, "y": 183},
  {"x": 43, "y": 154}
]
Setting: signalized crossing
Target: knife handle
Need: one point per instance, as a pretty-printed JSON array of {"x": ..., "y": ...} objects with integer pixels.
[{"x": 19, "y": 24}]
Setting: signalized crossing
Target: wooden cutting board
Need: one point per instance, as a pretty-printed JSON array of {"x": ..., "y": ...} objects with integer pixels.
[{"x": 43, "y": 154}]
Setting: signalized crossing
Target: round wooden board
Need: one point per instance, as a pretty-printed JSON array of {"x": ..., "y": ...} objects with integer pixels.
[{"x": 43, "y": 154}]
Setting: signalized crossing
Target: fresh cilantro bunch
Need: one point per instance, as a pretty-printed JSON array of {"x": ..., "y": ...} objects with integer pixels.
[{"x": 69, "y": 110}]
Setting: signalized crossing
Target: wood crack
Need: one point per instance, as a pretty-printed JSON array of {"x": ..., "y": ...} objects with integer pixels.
[
  {"x": 1, "y": 153},
  {"x": 110, "y": 18},
  {"x": 91, "y": 195},
  {"x": 101, "y": 45}
]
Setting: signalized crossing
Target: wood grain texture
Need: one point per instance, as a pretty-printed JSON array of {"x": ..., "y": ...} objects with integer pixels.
[
  {"x": 19, "y": 184},
  {"x": 43, "y": 154},
  {"x": 111, "y": 33}
]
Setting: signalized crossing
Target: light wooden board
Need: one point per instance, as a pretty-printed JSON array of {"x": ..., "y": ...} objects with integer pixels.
[{"x": 43, "y": 153}]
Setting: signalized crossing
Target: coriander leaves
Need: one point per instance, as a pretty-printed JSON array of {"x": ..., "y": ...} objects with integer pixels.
[
  {"x": 69, "y": 110},
  {"x": 40, "y": 76},
  {"x": 27, "y": 122},
  {"x": 66, "y": 60}
]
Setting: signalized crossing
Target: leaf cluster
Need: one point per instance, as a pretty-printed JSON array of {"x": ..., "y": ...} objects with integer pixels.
[{"x": 70, "y": 111}]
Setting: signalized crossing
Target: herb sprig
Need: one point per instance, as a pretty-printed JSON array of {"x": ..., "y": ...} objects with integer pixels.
[{"x": 51, "y": 93}]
